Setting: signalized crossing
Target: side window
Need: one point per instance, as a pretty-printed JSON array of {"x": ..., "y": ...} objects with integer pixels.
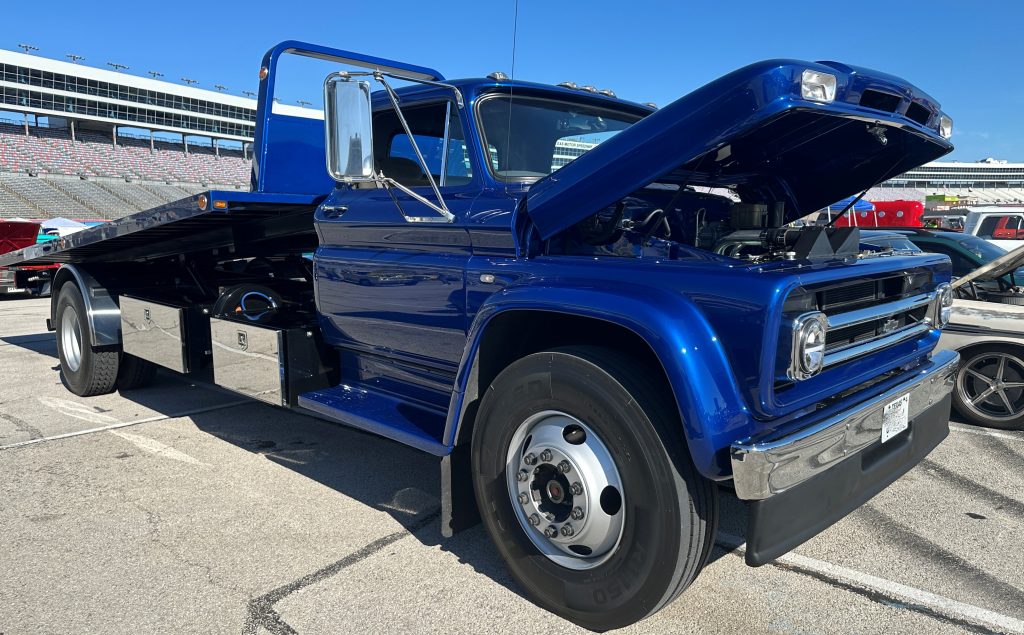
[
  {"x": 1001, "y": 227},
  {"x": 395, "y": 156}
]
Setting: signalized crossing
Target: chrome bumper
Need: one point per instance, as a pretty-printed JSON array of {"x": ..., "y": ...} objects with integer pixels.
[{"x": 767, "y": 466}]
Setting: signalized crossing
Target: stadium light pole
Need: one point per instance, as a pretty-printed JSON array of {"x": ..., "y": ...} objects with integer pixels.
[
  {"x": 249, "y": 93},
  {"x": 28, "y": 48},
  {"x": 117, "y": 67},
  {"x": 190, "y": 82},
  {"x": 303, "y": 103},
  {"x": 220, "y": 87},
  {"x": 74, "y": 58},
  {"x": 155, "y": 74}
]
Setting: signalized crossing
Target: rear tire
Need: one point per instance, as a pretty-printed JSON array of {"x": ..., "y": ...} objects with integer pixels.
[
  {"x": 134, "y": 372},
  {"x": 989, "y": 387},
  {"x": 663, "y": 519},
  {"x": 85, "y": 372}
]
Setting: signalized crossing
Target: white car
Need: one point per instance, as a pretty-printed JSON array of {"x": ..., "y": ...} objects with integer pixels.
[
  {"x": 1003, "y": 226},
  {"x": 987, "y": 328}
]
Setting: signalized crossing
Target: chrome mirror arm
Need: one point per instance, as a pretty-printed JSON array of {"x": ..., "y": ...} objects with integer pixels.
[{"x": 442, "y": 208}]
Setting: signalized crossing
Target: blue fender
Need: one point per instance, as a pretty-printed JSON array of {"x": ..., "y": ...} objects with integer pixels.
[{"x": 690, "y": 353}]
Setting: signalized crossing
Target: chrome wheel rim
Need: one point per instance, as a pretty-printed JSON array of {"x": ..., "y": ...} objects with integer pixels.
[
  {"x": 71, "y": 338},
  {"x": 991, "y": 385},
  {"x": 565, "y": 490}
]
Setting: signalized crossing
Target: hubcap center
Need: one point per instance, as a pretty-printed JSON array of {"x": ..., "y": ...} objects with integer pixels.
[{"x": 555, "y": 492}]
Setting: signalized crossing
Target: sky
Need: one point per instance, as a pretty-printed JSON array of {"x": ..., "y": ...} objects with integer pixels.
[{"x": 966, "y": 55}]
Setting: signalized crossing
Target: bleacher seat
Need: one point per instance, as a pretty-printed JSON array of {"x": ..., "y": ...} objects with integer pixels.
[{"x": 112, "y": 180}]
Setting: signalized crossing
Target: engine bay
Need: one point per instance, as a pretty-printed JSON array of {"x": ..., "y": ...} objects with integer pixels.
[{"x": 668, "y": 222}]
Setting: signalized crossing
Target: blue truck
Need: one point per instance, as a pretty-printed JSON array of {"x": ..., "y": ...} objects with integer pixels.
[{"x": 595, "y": 313}]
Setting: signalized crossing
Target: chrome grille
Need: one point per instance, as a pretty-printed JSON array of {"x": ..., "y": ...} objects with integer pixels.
[{"x": 865, "y": 316}]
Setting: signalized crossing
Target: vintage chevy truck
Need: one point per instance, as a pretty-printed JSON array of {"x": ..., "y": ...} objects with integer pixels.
[{"x": 592, "y": 311}]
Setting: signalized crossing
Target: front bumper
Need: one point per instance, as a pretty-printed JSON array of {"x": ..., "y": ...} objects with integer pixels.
[{"x": 802, "y": 482}]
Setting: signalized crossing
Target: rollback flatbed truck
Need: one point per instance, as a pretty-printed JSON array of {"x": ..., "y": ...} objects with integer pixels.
[{"x": 589, "y": 345}]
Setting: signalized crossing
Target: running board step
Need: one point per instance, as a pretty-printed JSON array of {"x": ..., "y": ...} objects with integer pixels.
[{"x": 415, "y": 425}]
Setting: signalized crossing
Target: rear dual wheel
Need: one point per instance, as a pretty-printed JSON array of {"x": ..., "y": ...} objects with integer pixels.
[
  {"x": 584, "y": 483},
  {"x": 84, "y": 370}
]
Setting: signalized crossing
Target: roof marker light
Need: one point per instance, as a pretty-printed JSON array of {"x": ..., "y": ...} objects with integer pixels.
[
  {"x": 607, "y": 92},
  {"x": 818, "y": 86},
  {"x": 220, "y": 205},
  {"x": 498, "y": 76},
  {"x": 588, "y": 88},
  {"x": 264, "y": 71},
  {"x": 203, "y": 201},
  {"x": 569, "y": 85}
]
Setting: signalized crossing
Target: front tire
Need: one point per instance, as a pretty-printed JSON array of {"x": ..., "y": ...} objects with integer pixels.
[
  {"x": 990, "y": 386},
  {"x": 581, "y": 437},
  {"x": 85, "y": 372}
]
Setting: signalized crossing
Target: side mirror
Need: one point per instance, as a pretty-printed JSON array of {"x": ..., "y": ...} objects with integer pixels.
[{"x": 348, "y": 129}]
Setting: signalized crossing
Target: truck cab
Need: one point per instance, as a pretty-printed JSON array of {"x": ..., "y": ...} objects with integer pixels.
[
  {"x": 592, "y": 311},
  {"x": 1001, "y": 226}
]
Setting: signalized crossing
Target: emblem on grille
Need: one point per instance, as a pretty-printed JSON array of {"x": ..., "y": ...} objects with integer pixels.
[
  {"x": 243, "y": 340},
  {"x": 890, "y": 325}
]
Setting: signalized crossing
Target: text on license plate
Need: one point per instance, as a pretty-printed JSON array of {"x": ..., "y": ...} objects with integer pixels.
[{"x": 895, "y": 417}]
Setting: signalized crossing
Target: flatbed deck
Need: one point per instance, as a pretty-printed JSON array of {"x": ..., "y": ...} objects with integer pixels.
[{"x": 246, "y": 220}]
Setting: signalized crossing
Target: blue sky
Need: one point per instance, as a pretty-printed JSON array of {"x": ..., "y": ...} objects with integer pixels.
[{"x": 966, "y": 55}]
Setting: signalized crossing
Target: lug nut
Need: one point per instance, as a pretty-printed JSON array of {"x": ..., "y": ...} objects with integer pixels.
[
  {"x": 534, "y": 519},
  {"x": 549, "y": 516},
  {"x": 567, "y": 530},
  {"x": 545, "y": 456},
  {"x": 577, "y": 513},
  {"x": 551, "y": 531},
  {"x": 564, "y": 467},
  {"x": 577, "y": 489},
  {"x": 530, "y": 459},
  {"x": 536, "y": 470},
  {"x": 523, "y": 499},
  {"x": 522, "y": 476}
]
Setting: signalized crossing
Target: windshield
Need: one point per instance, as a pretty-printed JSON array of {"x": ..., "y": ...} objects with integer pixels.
[{"x": 546, "y": 134}]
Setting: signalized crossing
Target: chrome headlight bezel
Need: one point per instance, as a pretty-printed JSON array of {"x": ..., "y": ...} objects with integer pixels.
[
  {"x": 807, "y": 357},
  {"x": 942, "y": 305}
]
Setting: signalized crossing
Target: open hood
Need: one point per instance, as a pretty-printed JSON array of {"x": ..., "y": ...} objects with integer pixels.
[
  {"x": 752, "y": 131},
  {"x": 995, "y": 269}
]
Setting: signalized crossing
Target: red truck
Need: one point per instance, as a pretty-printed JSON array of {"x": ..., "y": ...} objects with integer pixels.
[{"x": 34, "y": 279}]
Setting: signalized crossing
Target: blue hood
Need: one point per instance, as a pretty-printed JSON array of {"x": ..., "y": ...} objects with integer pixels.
[{"x": 751, "y": 130}]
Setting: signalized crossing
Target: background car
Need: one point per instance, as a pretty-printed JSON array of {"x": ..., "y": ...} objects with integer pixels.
[{"x": 987, "y": 328}]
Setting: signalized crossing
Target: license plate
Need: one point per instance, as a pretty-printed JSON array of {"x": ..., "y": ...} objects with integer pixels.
[{"x": 895, "y": 417}]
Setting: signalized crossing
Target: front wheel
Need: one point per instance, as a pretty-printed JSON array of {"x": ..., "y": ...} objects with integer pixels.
[
  {"x": 990, "y": 386},
  {"x": 586, "y": 487}
]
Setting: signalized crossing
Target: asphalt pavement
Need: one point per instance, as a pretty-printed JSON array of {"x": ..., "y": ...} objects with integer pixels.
[{"x": 182, "y": 508}]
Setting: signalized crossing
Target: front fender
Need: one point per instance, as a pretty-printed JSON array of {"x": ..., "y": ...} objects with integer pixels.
[{"x": 690, "y": 353}]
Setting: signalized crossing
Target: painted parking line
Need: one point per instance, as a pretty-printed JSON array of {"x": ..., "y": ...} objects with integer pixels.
[
  {"x": 958, "y": 427},
  {"x": 900, "y": 595},
  {"x": 115, "y": 426}
]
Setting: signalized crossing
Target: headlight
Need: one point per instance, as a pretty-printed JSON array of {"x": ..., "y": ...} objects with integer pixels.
[
  {"x": 943, "y": 305},
  {"x": 945, "y": 127},
  {"x": 817, "y": 86},
  {"x": 809, "y": 331}
]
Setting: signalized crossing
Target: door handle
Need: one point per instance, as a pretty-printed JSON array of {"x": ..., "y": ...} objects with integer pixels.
[{"x": 333, "y": 211}]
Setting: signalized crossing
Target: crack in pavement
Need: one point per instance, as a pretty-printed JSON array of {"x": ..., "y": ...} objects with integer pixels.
[
  {"x": 261, "y": 612},
  {"x": 20, "y": 425}
]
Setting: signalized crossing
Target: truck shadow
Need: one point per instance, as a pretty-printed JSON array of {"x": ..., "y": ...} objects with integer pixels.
[
  {"x": 42, "y": 343},
  {"x": 377, "y": 472}
]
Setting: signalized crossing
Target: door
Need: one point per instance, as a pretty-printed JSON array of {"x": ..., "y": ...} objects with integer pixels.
[{"x": 391, "y": 291}]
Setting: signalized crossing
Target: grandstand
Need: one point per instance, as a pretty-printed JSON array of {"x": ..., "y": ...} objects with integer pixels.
[{"x": 84, "y": 142}]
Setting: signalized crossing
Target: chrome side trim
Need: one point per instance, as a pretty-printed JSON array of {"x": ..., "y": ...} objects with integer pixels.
[
  {"x": 888, "y": 309},
  {"x": 773, "y": 464},
  {"x": 838, "y": 356}
]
